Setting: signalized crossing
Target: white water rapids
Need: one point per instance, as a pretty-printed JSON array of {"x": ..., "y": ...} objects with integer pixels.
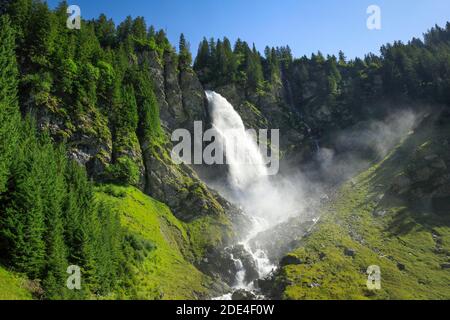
[{"x": 264, "y": 202}]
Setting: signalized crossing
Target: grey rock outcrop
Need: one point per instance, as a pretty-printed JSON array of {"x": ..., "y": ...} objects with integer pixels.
[
  {"x": 349, "y": 252},
  {"x": 157, "y": 73},
  {"x": 194, "y": 98},
  {"x": 243, "y": 295},
  {"x": 173, "y": 92},
  {"x": 248, "y": 263},
  {"x": 290, "y": 260}
]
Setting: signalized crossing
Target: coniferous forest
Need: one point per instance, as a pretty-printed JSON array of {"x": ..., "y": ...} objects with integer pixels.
[{"x": 86, "y": 177}]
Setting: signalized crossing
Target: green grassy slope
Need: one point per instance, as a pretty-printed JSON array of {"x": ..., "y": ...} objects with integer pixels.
[
  {"x": 13, "y": 287},
  {"x": 167, "y": 271},
  {"x": 410, "y": 242},
  {"x": 164, "y": 261}
]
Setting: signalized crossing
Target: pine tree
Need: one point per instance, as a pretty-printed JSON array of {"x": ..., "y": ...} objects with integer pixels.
[
  {"x": 161, "y": 40},
  {"x": 78, "y": 206},
  {"x": 105, "y": 31},
  {"x": 139, "y": 28},
  {"x": 185, "y": 57},
  {"x": 253, "y": 70},
  {"x": 23, "y": 223},
  {"x": 53, "y": 192},
  {"x": 39, "y": 38},
  {"x": 125, "y": 169},
  {"x": 19, "y": 12},
  {"x": 9, "y": 110},
  {"x": 231, "y": 62},
  {"x": 149, "y": 127},
  {"x": 151, "y": 32},
  {"x": 342, "y": 59},
  {"x": 109, "y": 241},
  {"x": 202, "y": 61},
  {"x": 124, "y": 29}
]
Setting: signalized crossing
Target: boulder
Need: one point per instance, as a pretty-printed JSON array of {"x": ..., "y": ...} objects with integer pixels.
[
  {"x": 282, "y": 239},
  {"x": 379, "y": 213},
  {"x": 431, "y": 157},
  {"x": 350, "y": 252},
  {"x": 243, "y": 295},
  {"x": 290, "y": 260},
  {"x": 445, "y": 266},
  {"x": 248, "y": 263},
  {"x": 439, "y": 164},
  {"x": 401, "y": 183},
  {"x": 423, "y": 174},
  {"x": 218, "y": 264}
]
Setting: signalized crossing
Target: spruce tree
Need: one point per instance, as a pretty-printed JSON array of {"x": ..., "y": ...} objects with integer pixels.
[
  {"x": 9, "y": 109},
  {"x": 185, "y": 57},
  {"x": 23, "y": 223},
  {"x": 54, "y": 193},
  {"x": 202, "y": 61},
  {"x": 253, "y": 70}
]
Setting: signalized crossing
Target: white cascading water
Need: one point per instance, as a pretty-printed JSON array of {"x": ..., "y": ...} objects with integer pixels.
[
  {"x": 248, "y": 174},
  {"x": 252, "y": 189},
  {"x": 246, "y": 164}
]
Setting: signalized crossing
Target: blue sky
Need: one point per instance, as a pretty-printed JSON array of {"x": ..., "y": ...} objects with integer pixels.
[{"x": 305, "y": 25}]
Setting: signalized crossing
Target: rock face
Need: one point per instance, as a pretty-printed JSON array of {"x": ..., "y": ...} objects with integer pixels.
[
  {"x": 180, "y": 95},
  {"x": 426, "y": 180},
  {"x": 179, "y": 187},
  {"x": 273, "y": 286},
  {"x": 158, "y": 76},
  {"x": 194, "y": 98},
  {"x": 173, "y": 92},
  {"x": 181, "y": 101},
  {"x": 87, "y": 135}
]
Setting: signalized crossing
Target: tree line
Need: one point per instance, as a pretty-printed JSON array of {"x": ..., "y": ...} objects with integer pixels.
[{"x": 416, "y": 70}]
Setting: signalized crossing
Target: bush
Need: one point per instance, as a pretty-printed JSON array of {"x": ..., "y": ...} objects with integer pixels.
[{"x": 123, "y": 172}]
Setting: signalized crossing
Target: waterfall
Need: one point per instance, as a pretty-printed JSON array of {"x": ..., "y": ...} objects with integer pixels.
[
  {"x": 246, "y": 164},
  {"x": 260, "y": 196},
  {"x": 266, "y": 203},
  {"x": 251, "y": 187}
]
